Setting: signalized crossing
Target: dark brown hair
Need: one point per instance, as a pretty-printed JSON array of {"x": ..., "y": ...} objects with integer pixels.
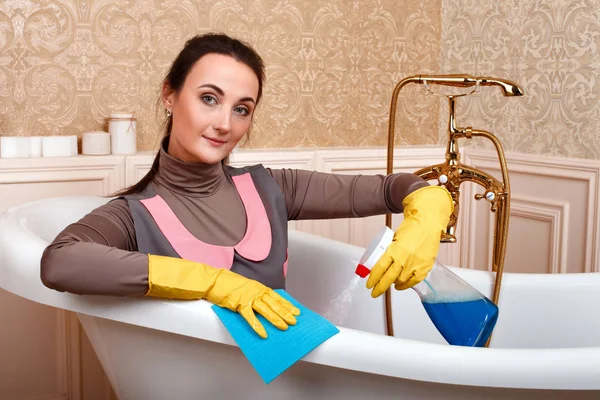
[{"x": 194, "y": 49}]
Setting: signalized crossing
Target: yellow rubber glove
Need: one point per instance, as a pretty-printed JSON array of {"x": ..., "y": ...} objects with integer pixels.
[
  {"x": 410, "y": 256},
  {"x": 174, "y": 278}
]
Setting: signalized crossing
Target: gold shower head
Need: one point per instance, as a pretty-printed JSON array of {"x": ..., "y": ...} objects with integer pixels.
[{"x": 509, "y": 88}]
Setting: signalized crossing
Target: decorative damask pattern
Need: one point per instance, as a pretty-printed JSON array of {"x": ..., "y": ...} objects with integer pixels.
[
  {"x": 332, "y": 65},
  {"x": 550, "y": 48}
]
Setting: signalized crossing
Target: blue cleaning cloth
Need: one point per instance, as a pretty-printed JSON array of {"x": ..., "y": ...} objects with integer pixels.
[{"x": 281, "y": 349}]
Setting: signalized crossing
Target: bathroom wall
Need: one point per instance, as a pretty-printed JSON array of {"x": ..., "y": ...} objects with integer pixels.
[
  {"x": 66, "y": 64},
  {"x": 548, "y": 47}
]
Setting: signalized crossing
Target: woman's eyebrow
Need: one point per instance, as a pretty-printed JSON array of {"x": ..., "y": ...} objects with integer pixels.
[
  {"x": 221, "y": 93},
  {"x": 214, "y": 87},
  {"x": 248, "y": 99}
]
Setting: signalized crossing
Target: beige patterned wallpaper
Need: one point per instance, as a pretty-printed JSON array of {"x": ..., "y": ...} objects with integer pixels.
[
  {"x": 550, "y": 48},
  {"x": 332, "y": 64}
]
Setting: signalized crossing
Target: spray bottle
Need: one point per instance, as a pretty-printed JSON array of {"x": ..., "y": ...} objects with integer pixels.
[{"x": 462, "y": 315}]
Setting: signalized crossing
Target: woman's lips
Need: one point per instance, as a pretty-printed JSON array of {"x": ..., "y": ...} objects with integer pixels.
[{"x": 215, "y": 142}]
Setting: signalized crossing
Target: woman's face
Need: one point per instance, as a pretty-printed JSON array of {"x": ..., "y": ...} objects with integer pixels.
[{"x": 213, "y": 109}]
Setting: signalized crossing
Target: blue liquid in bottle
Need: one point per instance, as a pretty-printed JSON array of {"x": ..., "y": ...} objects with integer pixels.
[
  {"x": 466, "y": 323},
  {"x": 462, "y": 315}
]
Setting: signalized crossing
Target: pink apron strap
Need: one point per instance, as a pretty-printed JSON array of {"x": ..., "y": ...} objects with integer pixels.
[
  {"x": 256, "y": 243},
  {"x": 183, "y": 242}
]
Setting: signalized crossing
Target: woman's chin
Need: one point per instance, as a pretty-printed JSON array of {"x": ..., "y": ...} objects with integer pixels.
[{"x": 211, "y": 156}]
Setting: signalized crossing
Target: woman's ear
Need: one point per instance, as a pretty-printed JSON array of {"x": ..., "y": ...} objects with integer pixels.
[{"x": 167, "y": 96}]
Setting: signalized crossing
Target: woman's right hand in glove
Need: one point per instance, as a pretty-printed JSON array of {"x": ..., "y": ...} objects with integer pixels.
[{"x": 174, "y": 278}]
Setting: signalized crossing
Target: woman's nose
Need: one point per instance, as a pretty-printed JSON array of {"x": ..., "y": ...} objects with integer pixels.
[{"x": 223, "y": 122}]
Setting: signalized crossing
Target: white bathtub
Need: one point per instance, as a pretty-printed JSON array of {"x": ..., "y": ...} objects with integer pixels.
[{"x": 546, "y": 344}]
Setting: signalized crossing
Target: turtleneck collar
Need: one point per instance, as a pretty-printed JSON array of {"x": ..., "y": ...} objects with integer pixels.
[{"x": 189, "y": 179}]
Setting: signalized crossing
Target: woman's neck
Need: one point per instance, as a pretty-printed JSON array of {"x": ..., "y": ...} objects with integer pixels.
[{"x": 189, "y": 179}]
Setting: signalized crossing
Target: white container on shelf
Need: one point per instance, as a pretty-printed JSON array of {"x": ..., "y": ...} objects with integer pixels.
[
  {"x": 35, "y": 146},
  {"x": 59, "y": 146},
  {"x": 14, "y": 147},
  {"x": 122, "y": 129},
  {"x": 74, "y": 151},
  {"x": 95, "y": 143}
]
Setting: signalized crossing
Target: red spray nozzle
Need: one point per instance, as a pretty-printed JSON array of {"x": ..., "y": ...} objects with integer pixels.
[{"x": 362, "y": 271}]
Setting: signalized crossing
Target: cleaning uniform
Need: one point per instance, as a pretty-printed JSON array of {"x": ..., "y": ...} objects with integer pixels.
[
  {"x": 261, "y": 254},
  {"x": 224, "y": 217}
]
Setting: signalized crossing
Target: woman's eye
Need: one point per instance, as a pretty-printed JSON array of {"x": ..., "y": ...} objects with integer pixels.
[
  {"x": 243, "y": 111},
  {"x": 209, "y": 99}
]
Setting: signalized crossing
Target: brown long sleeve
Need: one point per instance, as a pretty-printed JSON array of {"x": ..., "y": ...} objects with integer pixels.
[
  {"x": 318, "y": 195},
  {"x": 97, "y": 255}
]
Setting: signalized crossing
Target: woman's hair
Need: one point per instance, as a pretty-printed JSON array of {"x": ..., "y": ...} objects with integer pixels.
[{"x": 194, "y": 49}]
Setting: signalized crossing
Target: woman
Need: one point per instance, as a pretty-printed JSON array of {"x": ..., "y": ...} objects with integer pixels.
[{"x": 195, "y": 228}]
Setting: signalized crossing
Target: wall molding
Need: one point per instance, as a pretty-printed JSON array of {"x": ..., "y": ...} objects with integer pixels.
[
  {"x": 586, "y": 171},
  {"x": 555, "y": 213},
  {"x": 108, "y": 169},
  {"x": 406, "y": 159},
  {"x": 136, "y": 167}
]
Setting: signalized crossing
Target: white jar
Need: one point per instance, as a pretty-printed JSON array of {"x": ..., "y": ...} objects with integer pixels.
[
  {"x": 95, "y": 143},
  {"x": 122, "y": 129}
]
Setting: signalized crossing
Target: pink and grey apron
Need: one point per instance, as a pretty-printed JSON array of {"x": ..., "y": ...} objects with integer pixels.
[{"x": 260, "y": 255}]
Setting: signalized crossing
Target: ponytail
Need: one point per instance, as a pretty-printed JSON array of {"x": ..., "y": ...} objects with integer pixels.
[{"x": 142, "y": 183}]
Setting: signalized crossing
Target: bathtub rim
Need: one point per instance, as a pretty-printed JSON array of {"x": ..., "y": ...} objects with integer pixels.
[{"x": 397, "y": 357}]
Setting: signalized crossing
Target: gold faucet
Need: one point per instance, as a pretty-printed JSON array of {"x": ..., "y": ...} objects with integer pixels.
[{"x": 452, "y": 173}]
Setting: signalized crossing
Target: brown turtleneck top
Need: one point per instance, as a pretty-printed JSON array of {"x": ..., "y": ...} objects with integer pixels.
[{"x": 98, "y": 254}]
